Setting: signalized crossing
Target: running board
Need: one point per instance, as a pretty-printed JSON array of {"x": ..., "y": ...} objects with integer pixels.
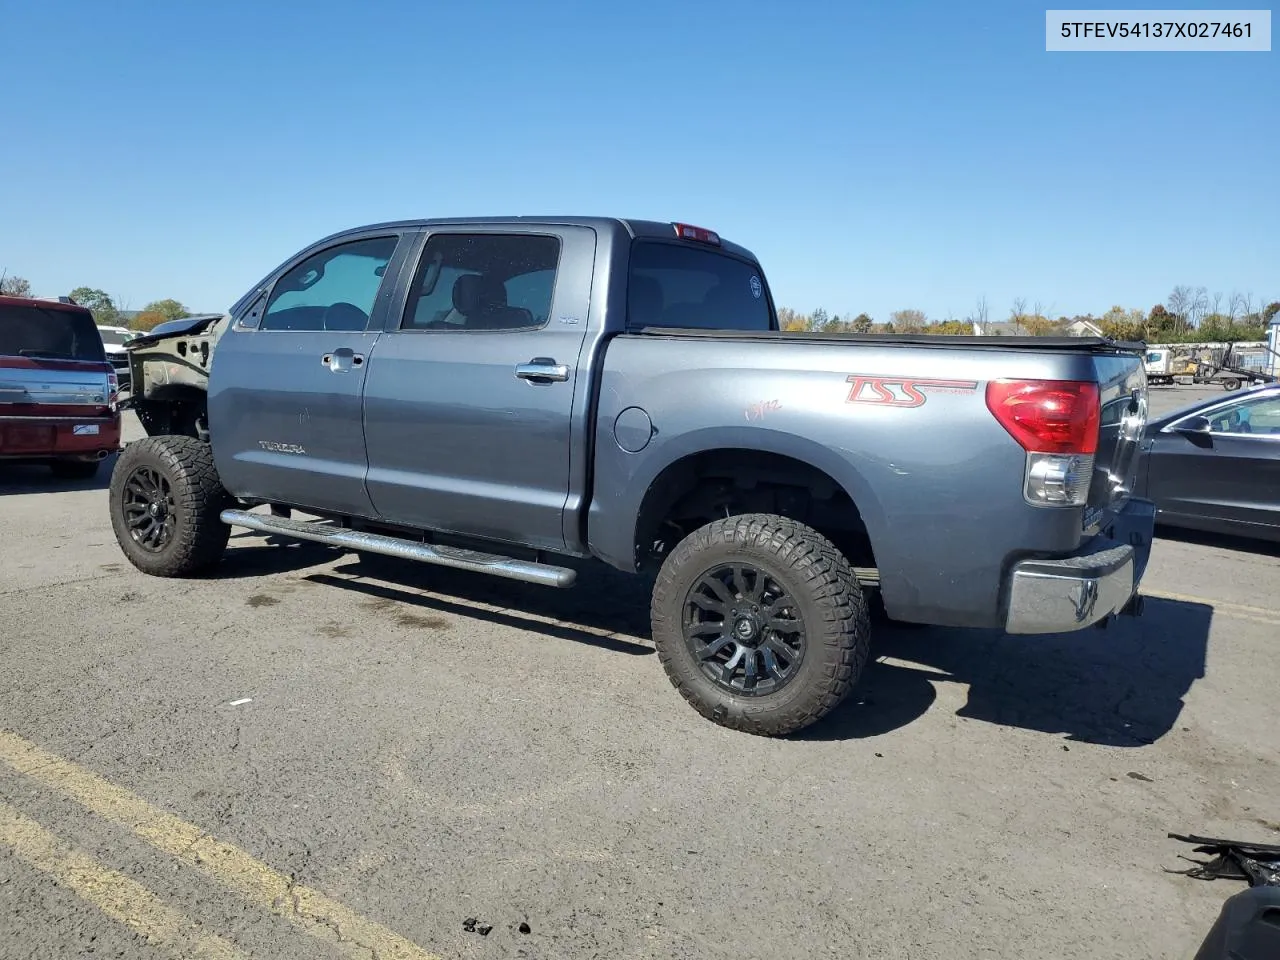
[{"x": 442, "y": 556}]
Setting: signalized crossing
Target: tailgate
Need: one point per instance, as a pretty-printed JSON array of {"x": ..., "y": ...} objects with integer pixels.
[
  {"x": 53, "y": 388},
  {"x": 1122, "y": 383}
]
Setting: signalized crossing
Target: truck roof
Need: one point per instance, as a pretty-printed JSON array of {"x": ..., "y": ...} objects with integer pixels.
[
  {"x": 44, "y": 303},
  {"x": 606, "y": 225}
]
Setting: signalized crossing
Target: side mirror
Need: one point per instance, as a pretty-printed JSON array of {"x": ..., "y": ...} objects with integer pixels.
[{"x": 1194, "y": 426}]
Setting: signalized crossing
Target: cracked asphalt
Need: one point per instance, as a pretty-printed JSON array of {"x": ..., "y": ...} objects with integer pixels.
[{"x": 312, "y": 756}]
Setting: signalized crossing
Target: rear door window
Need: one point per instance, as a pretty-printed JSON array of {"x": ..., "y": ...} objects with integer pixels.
[
  {"x": 680, "y": 285},
  {"x": 476, "y": 282},
  {"x": 49, "y": 334}
]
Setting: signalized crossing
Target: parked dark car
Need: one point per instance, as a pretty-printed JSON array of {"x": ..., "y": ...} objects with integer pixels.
[{"x": 1214, "y": 465}]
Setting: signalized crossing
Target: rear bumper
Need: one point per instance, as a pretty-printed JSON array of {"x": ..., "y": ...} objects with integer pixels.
[
  {"x": 56, "y": 438},
  {"x": 1070, "y": 593}
]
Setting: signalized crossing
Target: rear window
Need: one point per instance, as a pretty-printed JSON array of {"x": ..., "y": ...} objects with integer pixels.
[
  {"x": 44, "y": 333},
  {"x": 680, "y": 285},
  {"x": 116, "y": 338}
]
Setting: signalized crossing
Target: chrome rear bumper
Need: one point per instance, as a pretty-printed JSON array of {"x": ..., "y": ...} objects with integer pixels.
[{"x": 1070, "y": 593}]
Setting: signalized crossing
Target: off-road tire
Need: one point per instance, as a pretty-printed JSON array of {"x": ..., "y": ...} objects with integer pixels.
[
  {"x": 828, "y": 599},
  {"x": 75, "y": 469},
  {"x": 199, "y": 536}
]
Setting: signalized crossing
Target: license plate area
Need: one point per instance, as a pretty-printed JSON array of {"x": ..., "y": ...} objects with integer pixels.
[{"x": 24, "y": 437}]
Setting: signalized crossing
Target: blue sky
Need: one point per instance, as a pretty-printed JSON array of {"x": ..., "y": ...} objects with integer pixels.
[{"x": 876, "y": 156}]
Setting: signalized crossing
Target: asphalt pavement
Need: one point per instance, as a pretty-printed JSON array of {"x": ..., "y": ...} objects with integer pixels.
[{"x": 310, "y": 756}]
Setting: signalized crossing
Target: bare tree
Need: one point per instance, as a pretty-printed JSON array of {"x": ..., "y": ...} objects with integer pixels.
[
  {"x": 1180, "y": 305},
  {"x": 14, "y": 286},
  {"x": 1237, "y": 307},
  {"x": 979, "y": 315},
  {"x": 1017, "y": 312},
  {"x": 1217, "y": 303},
  {"x": 1199, "y": 306}
]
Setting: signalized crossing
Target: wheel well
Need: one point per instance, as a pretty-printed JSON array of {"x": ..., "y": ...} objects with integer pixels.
[
  {"x": 706, "y": 486},
  {"x": 174, "y": 409}
]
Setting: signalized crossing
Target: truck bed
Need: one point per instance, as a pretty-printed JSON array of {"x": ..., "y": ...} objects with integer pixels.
[{"x": 1059, "y": 344}]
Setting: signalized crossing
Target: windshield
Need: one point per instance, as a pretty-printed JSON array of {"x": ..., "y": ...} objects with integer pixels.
[
  {"x": 49, "y": 334},
  {"x": 116, "y": 338}
]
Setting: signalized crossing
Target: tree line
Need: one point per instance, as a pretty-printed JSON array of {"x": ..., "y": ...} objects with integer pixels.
[
  {"x": 106, "y": 312},
  {"x": 1187, "y": 315}
]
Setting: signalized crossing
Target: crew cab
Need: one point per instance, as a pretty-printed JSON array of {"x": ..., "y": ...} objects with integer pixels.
[
  {"x": 58, "y": 392},
  {"x": 500, "y": 394}
]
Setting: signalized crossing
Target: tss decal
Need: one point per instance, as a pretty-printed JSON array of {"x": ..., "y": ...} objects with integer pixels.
[{"x": 902, "y": 391}]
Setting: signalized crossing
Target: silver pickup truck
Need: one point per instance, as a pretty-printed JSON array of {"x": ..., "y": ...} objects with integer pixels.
[{"x": 495, "y": 394}]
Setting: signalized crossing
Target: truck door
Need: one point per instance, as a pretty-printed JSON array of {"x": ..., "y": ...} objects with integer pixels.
[
  {"x": 287, "y": 379},
  {"x": 470, "y": 393}
]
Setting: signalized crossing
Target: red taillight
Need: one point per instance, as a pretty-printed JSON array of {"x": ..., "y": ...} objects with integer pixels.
[
  {"x": 1048, "y": 416},
  {"x": 686, "y": 232},
  {"x": 113, "y": 390}
]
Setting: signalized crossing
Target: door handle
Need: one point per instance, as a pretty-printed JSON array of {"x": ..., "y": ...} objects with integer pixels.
[
  {"x": 542, "y": 370},
  {"x": 342, "y": 360}
]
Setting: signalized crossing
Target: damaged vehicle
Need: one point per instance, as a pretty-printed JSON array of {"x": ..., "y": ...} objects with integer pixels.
[{"x": 503, "y": 395}]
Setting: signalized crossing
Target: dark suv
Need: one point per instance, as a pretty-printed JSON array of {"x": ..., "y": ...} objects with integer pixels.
[{"x": 58, "y": 392}]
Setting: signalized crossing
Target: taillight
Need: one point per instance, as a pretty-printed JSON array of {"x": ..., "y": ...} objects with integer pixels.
[
  {"x": 113, "y": 391},
  {"x": 1056, "y": 422},
  {"x": 687, "y": 231}
]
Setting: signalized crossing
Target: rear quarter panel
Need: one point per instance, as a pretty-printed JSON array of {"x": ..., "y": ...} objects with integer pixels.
[{"x": 937, "y": 479}]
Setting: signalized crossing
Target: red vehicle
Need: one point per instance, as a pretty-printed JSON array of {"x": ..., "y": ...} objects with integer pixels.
[{"x": 59, "y": 400}]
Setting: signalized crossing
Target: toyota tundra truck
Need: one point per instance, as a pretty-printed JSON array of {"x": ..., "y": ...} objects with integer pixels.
[{"x": 498, "y": 395}]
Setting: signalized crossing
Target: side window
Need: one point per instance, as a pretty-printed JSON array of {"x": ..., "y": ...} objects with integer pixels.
[
  {"x": 332, "y": 290},
  {"x": 1260, "y": 415},
  {"x": 470, "y": 282},
  {"x": 679, "y": 285}
]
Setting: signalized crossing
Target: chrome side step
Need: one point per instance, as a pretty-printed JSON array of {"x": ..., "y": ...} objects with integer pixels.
[{"x": 442, "y": 556}]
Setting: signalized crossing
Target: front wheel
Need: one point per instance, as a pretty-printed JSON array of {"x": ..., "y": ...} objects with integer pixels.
[
  {"x": 760, "y": 623},
  {"x": 166, "y": 499}
]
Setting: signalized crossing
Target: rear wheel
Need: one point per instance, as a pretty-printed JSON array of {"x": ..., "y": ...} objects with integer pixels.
[
  {"x": 1231, "y": 383},
  {"x": 165, "y": 501},
  {"x": 75, "y": 469},
  {"x": 760, "y": 623}
]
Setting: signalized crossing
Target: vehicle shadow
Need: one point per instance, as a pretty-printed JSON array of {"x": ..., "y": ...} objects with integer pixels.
[
  {"x": 20, "y": 478},
  {"x": 580, "y": 614},
  {"x": 250, "y": 554},
  {"x": 1123, "y": 686}
]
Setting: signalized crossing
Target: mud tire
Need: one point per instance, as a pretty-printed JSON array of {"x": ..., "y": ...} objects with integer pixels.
[
  {"x": 827, "y": 598},
  {"x": 194, "y": 496}
]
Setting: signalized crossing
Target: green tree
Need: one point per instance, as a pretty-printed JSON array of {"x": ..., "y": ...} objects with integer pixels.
[
  {"x": 1269, "y": 312},
  {"x": 14, "y": 286},
  {"x": 99, "y": 303},
  {"x": 861, "y": 323},
  {"x": 170, "y": 309}
]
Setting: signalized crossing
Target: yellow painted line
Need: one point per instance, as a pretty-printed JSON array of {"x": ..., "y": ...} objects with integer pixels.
[
  {"x": 310, "y": 910},
  {"x": 1237, "y": 611},
  {"x": 119, "y": 897}
]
